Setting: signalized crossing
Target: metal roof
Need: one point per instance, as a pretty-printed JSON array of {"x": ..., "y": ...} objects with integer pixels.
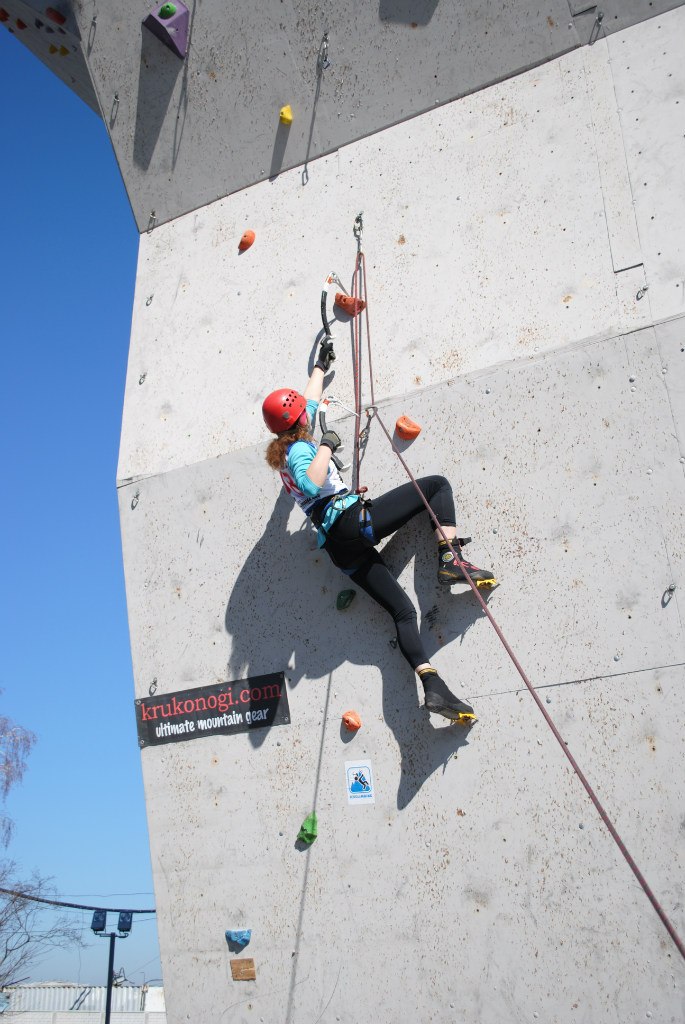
[{"x": 66, "y": 996}]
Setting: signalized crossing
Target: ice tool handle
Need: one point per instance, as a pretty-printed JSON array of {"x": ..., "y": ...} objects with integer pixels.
[{"x": 322, "y": 423}]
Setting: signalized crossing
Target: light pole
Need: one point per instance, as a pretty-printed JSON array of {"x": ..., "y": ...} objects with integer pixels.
[{"x": 98, "y": 925}]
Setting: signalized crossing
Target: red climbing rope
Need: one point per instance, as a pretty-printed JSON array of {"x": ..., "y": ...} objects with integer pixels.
[
  {"x": 359, "y": 287},
  {"x": 357, "y": 280},
  {"x": 372, "y": 411}
]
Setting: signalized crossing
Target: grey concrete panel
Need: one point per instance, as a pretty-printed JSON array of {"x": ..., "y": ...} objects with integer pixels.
[
  {"x": 59, "y": 47},
  {"x": 616, "y": 15},
  {"x": 458, "y": 279},
  {"x": 510, "y": 318},
  {"x": 567, "y": 473},
  {"x": 670, "y": 339},
  {"x": 494, "y": 894},
  {"x": 616, "y": 191},
  {"x": 492, "y": 232},
  {"x": 565, "y": 470},
  {"x": 187, "y": 133},
  {"x": 649, "y": 75}
]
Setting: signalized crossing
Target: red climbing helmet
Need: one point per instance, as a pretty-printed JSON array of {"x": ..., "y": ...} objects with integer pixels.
[{"x": 282, "y": 409}]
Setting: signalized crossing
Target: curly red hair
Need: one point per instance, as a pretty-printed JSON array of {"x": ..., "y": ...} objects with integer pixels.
[{"x": 277, "y": 449}]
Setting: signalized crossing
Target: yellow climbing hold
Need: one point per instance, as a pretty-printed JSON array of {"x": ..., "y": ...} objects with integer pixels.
[
  {"x": 286, "y": 115},
  {"x": 463, "y": 718}
]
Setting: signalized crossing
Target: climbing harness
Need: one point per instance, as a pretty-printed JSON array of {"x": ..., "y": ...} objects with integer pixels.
[
  {"x": 359, "y": 290},
  {"x": 318, "y": 512}
]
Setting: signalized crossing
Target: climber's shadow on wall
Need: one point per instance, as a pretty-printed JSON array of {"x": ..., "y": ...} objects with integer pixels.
[
  {"x": 281, "y": 616},
  {"x": 275, "y": 611},
  {"x": 426, "y": 741}
]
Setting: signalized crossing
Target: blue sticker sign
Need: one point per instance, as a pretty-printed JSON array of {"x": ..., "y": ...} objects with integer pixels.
[{"x": 359, "y": 781}]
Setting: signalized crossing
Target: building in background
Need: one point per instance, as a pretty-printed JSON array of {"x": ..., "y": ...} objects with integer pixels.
[{"x": 60, "y": 1003}]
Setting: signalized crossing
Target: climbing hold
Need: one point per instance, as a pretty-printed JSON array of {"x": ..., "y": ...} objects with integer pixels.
[
  {"x": 20, "y": 24},
  {"x": 64, "y": 52},
  {"x": 241, "y": 937},
  {"x": 407, "y": 429},
  {"x": 345, "y": 599},
  {"x": 55, "y": 16},
  {"x": 171, "y": 24},
  {"x": 243, "y": 969},
  {"x": 285, "y": 115},
  {"x": 348, "y": 304},
  {"x": 4, "y": 15},
  {"x": 246, "y": 240},
  {"x": 463, "y": 718},
  {"x": 52, "y": 48},
  {"x": 352, "y": 721},
  {"x": 309, "y": 829}
]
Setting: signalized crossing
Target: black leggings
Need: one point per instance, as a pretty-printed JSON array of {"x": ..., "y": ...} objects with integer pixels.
[{"x": 354, "y": 555}]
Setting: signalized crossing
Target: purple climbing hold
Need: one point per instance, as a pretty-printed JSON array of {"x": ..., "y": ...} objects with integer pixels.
[{"x": 171, "y": 27}]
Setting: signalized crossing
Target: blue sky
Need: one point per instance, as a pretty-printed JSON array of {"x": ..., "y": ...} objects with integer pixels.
[{"x": 69, "y": 250}]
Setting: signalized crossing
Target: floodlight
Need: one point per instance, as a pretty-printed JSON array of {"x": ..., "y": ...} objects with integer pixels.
[
  {"x": 99, "y": 922},
  {"x": 125, "y": 921}
]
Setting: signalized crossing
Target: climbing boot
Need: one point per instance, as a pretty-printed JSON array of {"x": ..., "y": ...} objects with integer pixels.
[
  {"x": 449, "y": 573},
  {"x": 441, "y": 701}
]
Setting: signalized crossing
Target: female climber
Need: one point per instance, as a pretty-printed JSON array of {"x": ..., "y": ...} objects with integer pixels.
[{"x": 349, "y": 529}]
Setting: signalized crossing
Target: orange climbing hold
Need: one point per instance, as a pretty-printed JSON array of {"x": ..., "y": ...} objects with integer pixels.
[
  {"x": 348, "y": 304},
  {"x": 407, "y": 429},
  {"x": 246, "y": 241},
  {"x": 352, "y": 721},
  {"x": 55, "y": 16}
]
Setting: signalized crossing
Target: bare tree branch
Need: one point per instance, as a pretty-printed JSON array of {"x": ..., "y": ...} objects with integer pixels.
[
  {"x": 29, "y": 930},
  {"x": 15, "y": 747}
]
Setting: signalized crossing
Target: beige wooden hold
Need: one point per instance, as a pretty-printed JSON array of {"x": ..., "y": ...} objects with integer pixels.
[{"x": 243, "y": 970}]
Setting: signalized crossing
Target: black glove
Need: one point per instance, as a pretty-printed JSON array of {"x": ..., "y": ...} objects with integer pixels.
[
  {"x": 326, "y": 355},
  {"x": 330, "y": 440}
]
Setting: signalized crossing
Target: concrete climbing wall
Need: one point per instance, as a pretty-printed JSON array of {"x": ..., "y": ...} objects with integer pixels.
[
  {"x": 525, "y": 263},
  {"x": 187, "y": 132},
  {"x": 526, "y": 212},
  {"x": 55, "y": 39}
]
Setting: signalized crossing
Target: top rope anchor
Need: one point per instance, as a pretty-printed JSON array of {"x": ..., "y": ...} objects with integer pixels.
[{"x": 358, "y": 228}]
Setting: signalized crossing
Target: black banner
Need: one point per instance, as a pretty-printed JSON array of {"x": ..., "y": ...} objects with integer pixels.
[{"x": 222, "y": 708}]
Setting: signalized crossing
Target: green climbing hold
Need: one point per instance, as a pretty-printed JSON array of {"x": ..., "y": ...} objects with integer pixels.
[
  {"x": 345, "y": 599},
  {"x": 167, "y": 11},
  {"x": 309, "y": 829}
]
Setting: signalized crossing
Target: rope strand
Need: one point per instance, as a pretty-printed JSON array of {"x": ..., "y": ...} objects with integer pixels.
[
  {"x": 372, "y": 411},
  {"x": 357, "y": 364}
]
